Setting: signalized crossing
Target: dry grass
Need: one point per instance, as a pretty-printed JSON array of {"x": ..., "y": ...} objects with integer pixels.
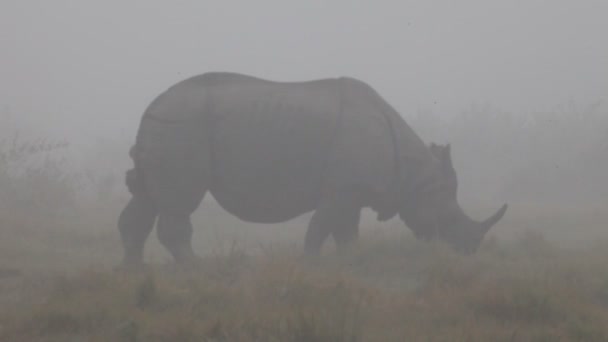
[{"x": 389, "y": 287}]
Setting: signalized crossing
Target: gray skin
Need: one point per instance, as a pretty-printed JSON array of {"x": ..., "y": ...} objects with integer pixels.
[{"x": 269, "y": 152}]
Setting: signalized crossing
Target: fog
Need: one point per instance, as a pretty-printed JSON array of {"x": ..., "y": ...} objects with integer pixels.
[
  {"x": 519, "y": 89},
  {"x": 89, "y": 69},
  {"x": 84, "y": 72}
]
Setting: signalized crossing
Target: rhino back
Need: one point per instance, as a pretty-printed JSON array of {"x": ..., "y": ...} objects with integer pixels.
[
  {"x": 271, "y": 143},
  {"x": 272, "y": 149}
]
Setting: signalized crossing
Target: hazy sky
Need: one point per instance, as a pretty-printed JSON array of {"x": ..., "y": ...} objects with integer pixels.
[{"x": 87, "y": 69}]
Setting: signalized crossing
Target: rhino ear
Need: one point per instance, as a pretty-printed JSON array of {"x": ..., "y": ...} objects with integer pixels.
[
  {"x": 443, "y": 153},
  {"x": 436, "y": 150}
]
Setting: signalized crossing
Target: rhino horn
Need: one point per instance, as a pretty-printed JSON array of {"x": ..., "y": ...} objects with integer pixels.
[{"x": 491, "y": 221}]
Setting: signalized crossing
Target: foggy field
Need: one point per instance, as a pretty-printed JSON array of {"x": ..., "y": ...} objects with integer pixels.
[
  {"x": 527, "y": 283},
  {"x": 540, "y": 274},
  {"x": 513, "y": 95}
]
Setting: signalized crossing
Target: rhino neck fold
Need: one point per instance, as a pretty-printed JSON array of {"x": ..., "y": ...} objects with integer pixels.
[{"x": 413, "y": 160}]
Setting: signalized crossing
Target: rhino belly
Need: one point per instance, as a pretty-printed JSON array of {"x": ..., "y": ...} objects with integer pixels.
[
  {"x": 269, "y": 171},
  {"x": 263, "y": 189},
  {"x": 263, "y": 208}
]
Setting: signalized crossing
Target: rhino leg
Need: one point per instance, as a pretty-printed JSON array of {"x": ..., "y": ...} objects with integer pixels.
[
  {"x": 176, "y": 201},
  {"x": 177, "y": 179},
  {"x": 348, "y": 231},
  {"x": 174, "y": 231},
  {"x": 339, "y": 216},
  {"x": 135, "y": 224},
  {"x": 177, "y": 196}
]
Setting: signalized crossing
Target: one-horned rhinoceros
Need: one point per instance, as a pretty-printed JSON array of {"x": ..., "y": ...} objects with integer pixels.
[{"x": 270, "y": 151}]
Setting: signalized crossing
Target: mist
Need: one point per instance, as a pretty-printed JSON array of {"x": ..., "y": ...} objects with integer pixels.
[
  {"x": 93, "y": 68},
  {"x": 84, "y": 73},
  {"x": 518, "y": 89}
]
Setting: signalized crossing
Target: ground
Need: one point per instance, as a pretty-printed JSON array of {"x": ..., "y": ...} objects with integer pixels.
[{"x": 541, "y": 275}]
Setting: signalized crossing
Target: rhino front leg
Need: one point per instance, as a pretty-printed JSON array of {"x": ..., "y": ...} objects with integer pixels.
[
  {"x": 339, "y": 216},
  {"x": 347, "y": 232},
  {"x": 135, "y": 224}
]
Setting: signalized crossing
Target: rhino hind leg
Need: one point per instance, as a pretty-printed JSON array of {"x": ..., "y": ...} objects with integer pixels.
[
  {"x": 176, "y": 201},
  {"x": 177, "y": 177},
  {"x": 135, "y": 224},
  {"x": 177, "y": 192},
  {"x": 174, "y": 231},
  {"x": 339, "y": 216}
]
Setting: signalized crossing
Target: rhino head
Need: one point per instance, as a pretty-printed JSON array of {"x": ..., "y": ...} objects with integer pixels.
[{"x": 433, "y": 212}]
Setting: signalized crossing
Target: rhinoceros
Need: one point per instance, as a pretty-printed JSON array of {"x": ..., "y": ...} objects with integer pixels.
[{"x": 271, "y": 151}]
